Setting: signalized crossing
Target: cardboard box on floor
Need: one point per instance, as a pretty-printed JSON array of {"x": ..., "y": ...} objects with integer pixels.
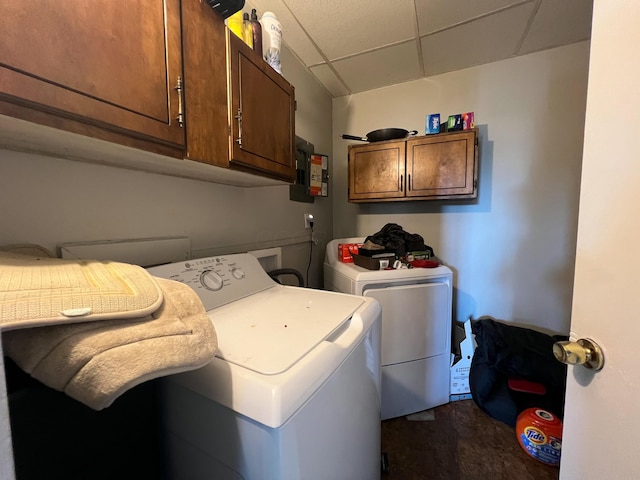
[{"x": 459, "y": 371}]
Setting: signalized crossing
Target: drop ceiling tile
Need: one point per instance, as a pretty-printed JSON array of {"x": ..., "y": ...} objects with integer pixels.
[
  {"x": 485, "y": 40},
  {"x": 292, "y": 33},
  {"x": 387, "y": 66},
  {"x": 435, "y": 15},
  {"x": 341, "y": 28},
  {"x": 559, "y": 23},
  {"x": 329, "y": 79},
  {"x": 370, "y": 43}
]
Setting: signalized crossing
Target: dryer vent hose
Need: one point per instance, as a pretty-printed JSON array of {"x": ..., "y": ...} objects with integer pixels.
[{"x": 275, "y": 274}]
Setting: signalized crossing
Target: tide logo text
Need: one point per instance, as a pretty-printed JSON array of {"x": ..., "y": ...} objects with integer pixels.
[{"x": 535, "y": 436}]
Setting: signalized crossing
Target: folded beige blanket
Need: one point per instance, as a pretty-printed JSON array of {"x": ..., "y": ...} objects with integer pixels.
[
  {"x": 95, "y": 362},
  {"x": 108, "y": 326}
]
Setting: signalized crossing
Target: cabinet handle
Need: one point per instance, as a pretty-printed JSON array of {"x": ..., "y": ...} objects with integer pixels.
[
  {"x": 400, "y": 185},
  {"x": 409, "y": 182},
  {"x": 180, "y": 117},
  {"x": 239, "y": 118}
]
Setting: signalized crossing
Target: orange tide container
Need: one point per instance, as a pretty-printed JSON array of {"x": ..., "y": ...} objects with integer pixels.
[{"x": 539, "y": 433}]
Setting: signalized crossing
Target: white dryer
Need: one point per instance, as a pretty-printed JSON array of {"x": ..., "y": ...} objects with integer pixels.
[
  {"x": 416, "y": 328},
  {"x": 294, "y": 391}
]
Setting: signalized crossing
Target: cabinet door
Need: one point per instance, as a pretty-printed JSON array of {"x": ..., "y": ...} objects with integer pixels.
[
  {"x": 205, "y": 84},
  {"x": 442, "y": 166},
  {"x": 376, "y": 171},
  {"x": 262, "y": 114},
  {"x": 87, "y": 67}
]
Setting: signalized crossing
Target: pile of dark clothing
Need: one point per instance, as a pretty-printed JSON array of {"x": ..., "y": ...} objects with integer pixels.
[{"x": 394, "y": 239}]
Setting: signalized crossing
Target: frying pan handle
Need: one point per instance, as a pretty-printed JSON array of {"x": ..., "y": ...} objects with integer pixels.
[
  {"x": 413, "y": 132},
  {"x": 352, "y": 137}
]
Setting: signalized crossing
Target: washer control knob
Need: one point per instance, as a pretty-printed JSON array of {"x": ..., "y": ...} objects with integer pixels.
[
  {"x": 211, "y": 280},
  {"x": 238, "y": 273}
]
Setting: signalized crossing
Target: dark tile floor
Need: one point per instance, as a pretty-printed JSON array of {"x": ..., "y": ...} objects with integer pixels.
[{"x": 460, "y": 443}]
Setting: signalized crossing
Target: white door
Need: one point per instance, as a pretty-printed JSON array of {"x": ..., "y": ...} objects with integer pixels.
[{"x": 601, "y": 436}]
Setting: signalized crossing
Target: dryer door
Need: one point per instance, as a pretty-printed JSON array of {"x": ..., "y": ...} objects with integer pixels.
[{"x": 415, "y": 321}]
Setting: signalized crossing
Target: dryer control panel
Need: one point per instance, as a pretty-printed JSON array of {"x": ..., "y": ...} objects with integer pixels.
[{"x": 218, "y": 280}]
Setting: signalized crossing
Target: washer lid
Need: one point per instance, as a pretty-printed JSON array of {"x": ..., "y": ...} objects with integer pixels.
[{"x": 270, "y": 331}]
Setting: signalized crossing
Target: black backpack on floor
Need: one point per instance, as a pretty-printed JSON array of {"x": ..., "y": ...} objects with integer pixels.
[{"x": 505, "y": 352}]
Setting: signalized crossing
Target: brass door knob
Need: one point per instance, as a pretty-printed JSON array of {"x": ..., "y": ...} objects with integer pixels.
[{"x": 581, "y": 352}]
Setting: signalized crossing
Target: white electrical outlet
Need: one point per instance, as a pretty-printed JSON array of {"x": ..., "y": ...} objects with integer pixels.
[{"x": 308, "y": 220}]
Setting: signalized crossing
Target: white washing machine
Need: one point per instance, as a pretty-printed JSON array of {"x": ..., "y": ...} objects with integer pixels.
[
  {"x": 416, "y": 328},
  {"x": 294, "y": 390}
]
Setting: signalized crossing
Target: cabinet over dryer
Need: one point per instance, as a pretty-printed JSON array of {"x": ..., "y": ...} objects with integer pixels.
[{"x": 432, "y": 167}]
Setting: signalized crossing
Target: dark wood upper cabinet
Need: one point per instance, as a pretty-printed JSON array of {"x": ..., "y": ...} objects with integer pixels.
[
  {"x": 432, "y": 167},
  {"x": 262, "y": 113},
  {"x": 443, "y": 165},
  {"x": 161, "y": 76},
  {"x": 205, "y": 82},
  {"x": 107, "y": 70},
  {"x": 239, "y": 111},
  {"x": 377, "y": 170}
]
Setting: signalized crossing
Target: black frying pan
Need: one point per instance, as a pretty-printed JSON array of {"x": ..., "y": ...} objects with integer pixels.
[{"x": 383, "y": 134}]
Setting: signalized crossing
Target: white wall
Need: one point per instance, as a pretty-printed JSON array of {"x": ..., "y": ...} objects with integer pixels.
[
  {"x": 512, "y": 251},
  {"x": 48, "y": 201}
]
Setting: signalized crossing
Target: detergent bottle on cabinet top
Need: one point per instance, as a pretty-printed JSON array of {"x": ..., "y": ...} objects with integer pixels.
[
  {"x": 257, "y": 31},
  {"x": 234, "y": 22},
  {"x": 271, "y": 40},
  {"x": 247, "y": 30}
]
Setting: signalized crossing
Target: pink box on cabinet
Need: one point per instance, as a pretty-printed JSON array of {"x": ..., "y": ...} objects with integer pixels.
[{"x": 468, "y": 121}]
